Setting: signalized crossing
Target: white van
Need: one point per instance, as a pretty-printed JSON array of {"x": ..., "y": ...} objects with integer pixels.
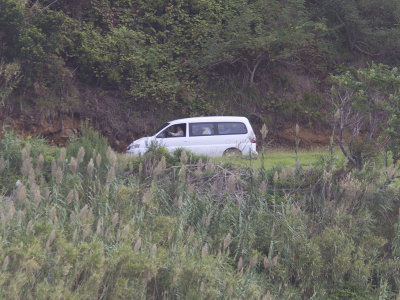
[{"x": 212, "y": 136}]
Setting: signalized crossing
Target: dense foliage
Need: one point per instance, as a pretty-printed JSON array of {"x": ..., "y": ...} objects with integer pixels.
[
  {"x": 367, "y": 103},
  {"x": 81, "y": 222},
  {"x": 191, "y": 56}
]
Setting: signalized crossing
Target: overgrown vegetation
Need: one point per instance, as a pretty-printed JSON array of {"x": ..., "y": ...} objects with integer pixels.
[
  {"x": 84, "y": 222},
  {"x": 265, "y": 58},
  {"x": 367, "y": 106}
]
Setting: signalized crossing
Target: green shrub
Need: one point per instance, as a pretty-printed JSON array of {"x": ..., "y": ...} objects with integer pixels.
[
  {"x": 11, "y": 147},
  {"x": 93, "y": 145}
]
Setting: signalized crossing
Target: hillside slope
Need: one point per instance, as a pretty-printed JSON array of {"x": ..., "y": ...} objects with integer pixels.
[{"x": 126, "y": 67}]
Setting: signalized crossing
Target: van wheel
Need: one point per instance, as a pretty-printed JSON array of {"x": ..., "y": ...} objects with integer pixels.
[{"x": 232, "y": 152}]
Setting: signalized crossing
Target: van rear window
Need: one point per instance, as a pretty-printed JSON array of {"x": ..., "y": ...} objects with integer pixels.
[
  {"x": 217, "y": 128},
  {"x": 231, "y": 128}
]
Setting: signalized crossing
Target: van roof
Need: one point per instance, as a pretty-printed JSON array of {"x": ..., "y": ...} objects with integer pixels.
[{"x": 211, "y": 119}]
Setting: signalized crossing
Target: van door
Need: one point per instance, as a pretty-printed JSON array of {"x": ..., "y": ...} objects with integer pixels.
[
  {"x": 203, "y": 139},
  {"x": 173, "y": 137}
]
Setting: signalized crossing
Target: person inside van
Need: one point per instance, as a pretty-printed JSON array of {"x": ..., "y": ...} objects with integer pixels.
[
  {"x": 178, "y": 132},
  {"x": 206, "y": 130}
]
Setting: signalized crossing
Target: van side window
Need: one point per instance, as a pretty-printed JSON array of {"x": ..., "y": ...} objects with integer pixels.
[
  {"x": 231, "y": 128},
  {"x": 177, "y": 130},
  {"x": 201, "y": 129},
  {"x": 218, "y": 128}
]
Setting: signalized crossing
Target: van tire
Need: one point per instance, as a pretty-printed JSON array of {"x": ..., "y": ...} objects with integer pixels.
[{"x": 232, "y": 152}]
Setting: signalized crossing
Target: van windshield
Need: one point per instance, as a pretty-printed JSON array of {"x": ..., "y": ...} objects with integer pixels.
[{"x": 159, "y": 129}]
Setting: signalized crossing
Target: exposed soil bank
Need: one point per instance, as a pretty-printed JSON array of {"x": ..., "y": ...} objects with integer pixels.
[{"x": 121, "y": 125}]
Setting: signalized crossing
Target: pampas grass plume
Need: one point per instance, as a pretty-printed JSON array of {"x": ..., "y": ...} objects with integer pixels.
[
  {"x": 125, "y": 231},
  {"x": 36, "y": 195},
  {"x": 98, "y": 160},
  {"x": 98, "y": 227},
  {"x": 240, "y": 264},
  {"x": 47, "y": 193},
  {"x": 154, "y": 250},
  {"x": 81, "y": 155},
  {"x": 83, "y": 213},
  {"x": 59, "y": 175},
  {"x": 21, "y": 194},
  {"x": 20, "y": 216},
  {"x": 183, "y": 157},
  {"x": 111, "y": 174},
  {"x": 253, "y": 261},
  {"x": 51, "y": 238},
  {"x": 10, "y": 213},
  {"x": 73, "y": 165},
  {"x": 86, "y": 231},
  {"x": 112, "y": 158},
  {"x": 138, "y": 244},
  {"x": 90, "y": 167},
  {"x": 61, "y": 158},
  {"x": 204, "y": 251},
  {"x": 39, "y": 163},
  {"x": 264, "y": 131},
  {"x": 115, "y": 219},
  {"x": 29, "y": 227},
  {"x": 70, "y": 196},
  {"x": 227, "y": 241},
  {"x": 5, "y": 263},
  {"x": 53, "y": 214}
]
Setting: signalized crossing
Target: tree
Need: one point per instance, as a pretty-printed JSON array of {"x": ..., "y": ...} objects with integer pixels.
[
  {"x": 11, "y": 25},
  {"x": 9, "y": 78},
  {"x": 252, "y": 33},
  {"x": 367, "y": 103},
  {"x": 363, "y": 28}
]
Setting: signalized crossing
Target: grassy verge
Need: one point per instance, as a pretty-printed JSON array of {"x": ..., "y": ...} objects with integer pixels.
[{"x": 283, "y": 158}]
